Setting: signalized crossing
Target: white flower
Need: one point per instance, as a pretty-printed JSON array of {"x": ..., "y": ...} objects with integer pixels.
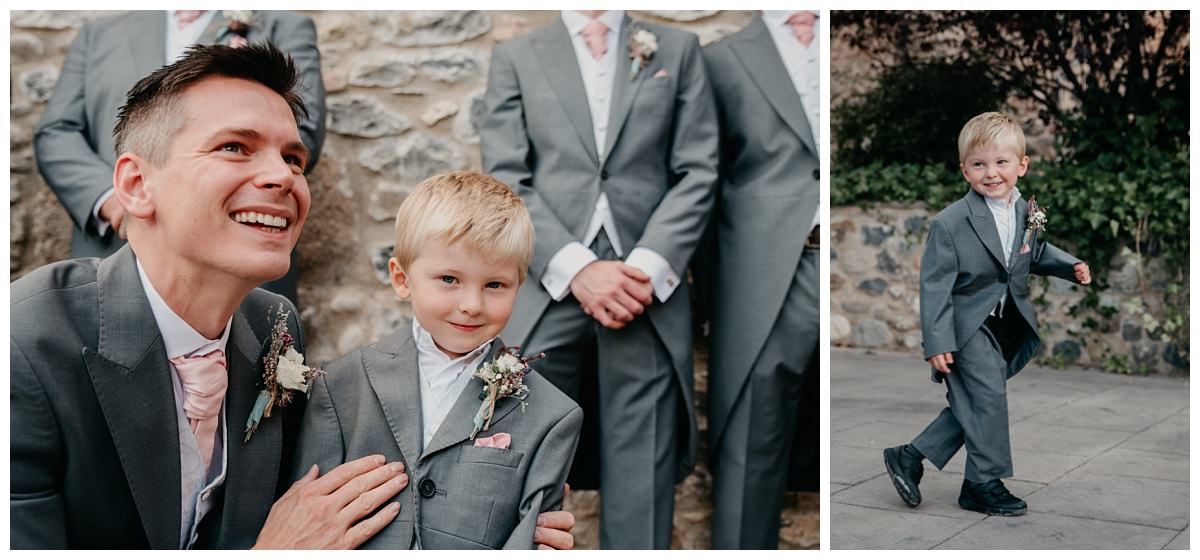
[
  {"x": 646, "y": 40},
  {"x": 508, "y": 362},
  {"x": 290, "y": 370},
  {"x": 241, "y": 16}
]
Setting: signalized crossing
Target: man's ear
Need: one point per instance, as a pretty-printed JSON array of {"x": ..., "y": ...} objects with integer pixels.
[
  {"x": 399, "y": 279},
  {"x": 130, "y": 186}
]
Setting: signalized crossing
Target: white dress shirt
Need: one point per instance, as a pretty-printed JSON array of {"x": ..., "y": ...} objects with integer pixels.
[
  {"x": 442, "y": 380},
  {"x": 598, "y": 80},
  {"x": 197, "y": 482},
  {"x": 803, "y": 64},
  {"x": 1005, "y": 213},
  {"x": 178, "y": 40}
]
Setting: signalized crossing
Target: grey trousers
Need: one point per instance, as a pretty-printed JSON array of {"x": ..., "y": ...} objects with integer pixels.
[
  {"x": 750, "y": 462},
  {"x": 624, "y": 379},
  {"x": 978, "y": 413}
]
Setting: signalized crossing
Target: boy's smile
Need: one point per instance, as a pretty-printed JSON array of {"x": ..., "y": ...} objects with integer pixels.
[
  {"x": 461, "y": 299},
  {"x": 992, "y": 171}
]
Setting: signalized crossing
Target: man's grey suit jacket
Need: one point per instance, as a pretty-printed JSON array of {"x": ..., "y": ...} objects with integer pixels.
[
  {"x": 458, "y": 496},
  {"x": 93, "y": 435},
  {"x": 658, "y": 167},
  {"x": 769, "y": 192},
  {"x": 964, "y": 276},
  {"x": 73, "y": 142}
]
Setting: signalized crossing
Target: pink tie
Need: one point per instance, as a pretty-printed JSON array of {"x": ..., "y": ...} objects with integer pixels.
[
  {"x": 593, "y": 35},
  {"x": 803, "y": 25},
  {"x": 204, "y": 380},
  {"x": 186, "y": 17}
]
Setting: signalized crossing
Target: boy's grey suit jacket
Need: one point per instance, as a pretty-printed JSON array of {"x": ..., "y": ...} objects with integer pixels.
[
  {"x": 770, "y": 189},
  {"x": 658, "y": 167},
  {"x": 964, "y": 275},
  {"x": 95, "y": 449},
  {"x": 74, "y": 143},
  {"x": 458, "y": 496}
]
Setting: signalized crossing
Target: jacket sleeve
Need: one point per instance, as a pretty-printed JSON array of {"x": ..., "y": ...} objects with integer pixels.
[
  {"x": 1052, "y": 261},
  {"x": 65, "y": 156},
  {"x": 679, "y": 220},
  {"x": 939, "y": 269},
  {"x": 548, "y": 468},
  {"x": 507, "y": 153},
  {"x": 297, "y": 36},
  {"x": 37, "y": 513}
]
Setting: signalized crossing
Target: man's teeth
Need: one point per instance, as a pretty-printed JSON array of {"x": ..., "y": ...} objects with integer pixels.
[{"x": 259, "y": 218}]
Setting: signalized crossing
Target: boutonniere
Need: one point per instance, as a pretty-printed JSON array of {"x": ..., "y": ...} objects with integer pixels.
[
  {"x": 283, "y": 372},
  {"x": 642, "y": 45},
  {"x": 1035, "y": 223},
  {"x": 238, "y": 22},
  {"x": 501, "y": 378}
]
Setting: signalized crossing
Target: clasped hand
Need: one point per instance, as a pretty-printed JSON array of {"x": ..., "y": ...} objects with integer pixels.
[{"x": 612, "y": 292}]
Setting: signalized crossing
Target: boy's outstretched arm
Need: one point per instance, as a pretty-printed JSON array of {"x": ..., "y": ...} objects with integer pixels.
[
  {"x": 939, "y": 268},
  {"x": 1049, "y": 260}
]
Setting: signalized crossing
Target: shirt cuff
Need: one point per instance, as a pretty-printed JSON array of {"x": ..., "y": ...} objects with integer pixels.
[
  {"x": 563, "y": 267},
  {"x": 662, "y": 277},
  {"x": 101, "y": 224}
]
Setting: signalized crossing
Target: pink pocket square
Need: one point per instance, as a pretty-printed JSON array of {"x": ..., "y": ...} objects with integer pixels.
[
  {"x": 498, "y": 441},
  {"x": 1024, "y": 248},
  {"x": 660, "y": 74}
]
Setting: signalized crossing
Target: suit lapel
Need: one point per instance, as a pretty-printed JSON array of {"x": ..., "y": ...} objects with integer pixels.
[
  {"x": 459, "y": 422},
  {"x": 1019, "y": 229},
  {"x": 624, "y": 89},
  {"x": 557, "y": 60},
  {"x": 146, "y": 33},
  {"x": 398, "y": 388},
  {"x": 215, "y": 31},
  {"x": 984, "y": 224},
  {"x": 253, "y": 466},
  {"x": 132, "y": 380},
  {"x": 759, "y": 56}
]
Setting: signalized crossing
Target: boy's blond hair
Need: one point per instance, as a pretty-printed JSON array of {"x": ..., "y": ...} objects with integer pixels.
[
  {"x": 991, "y": 129},
  {"x": 465, "y": 207}
]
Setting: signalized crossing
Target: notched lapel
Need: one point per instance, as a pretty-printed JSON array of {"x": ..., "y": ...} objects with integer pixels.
[
  {"x": 459, "y": 422},
  {"x": 561, "y": 70},
  {"x": 624, "y": 89},
  {"x": 984, "y": 225},
  {"x": 1022, "y": 215},
  {"x": 759, "y": 56},
  {"x": 397, "y": 388}
]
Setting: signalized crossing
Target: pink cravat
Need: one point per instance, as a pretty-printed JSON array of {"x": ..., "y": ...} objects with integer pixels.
[
  {"x": 186, "y": 17},
  {"x": 204, "y": 380},
  {"x": 804, "y": 26},
  {"x": 593, "y": 35}
]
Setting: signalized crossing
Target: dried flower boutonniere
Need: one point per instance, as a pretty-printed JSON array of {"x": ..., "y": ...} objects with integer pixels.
[
  {"x": 642, "y": 45},
  {"x": 1034, "y": 224},
  {"x": 502, "y": 378},
  {"x": 283, "y": 372},
  {"x": 237, "y": 23}
]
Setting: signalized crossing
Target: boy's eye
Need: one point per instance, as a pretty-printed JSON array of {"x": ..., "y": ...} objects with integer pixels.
[
  {"x": 447, "y": 279},
  {"x": 495, "y": 285}
]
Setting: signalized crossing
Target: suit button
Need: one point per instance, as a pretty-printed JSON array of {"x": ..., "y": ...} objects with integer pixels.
[
  {"x": 603, "y": 175},
  {"x": 427, "y": 488},
  {"x": 817, "y": 174},
  {"x": 1003, "y": 277}
]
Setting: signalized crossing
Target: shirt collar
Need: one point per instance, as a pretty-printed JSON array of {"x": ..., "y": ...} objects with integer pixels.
[
  {"x": 1002, "y": 205},
  {"x": 575, "y": 21},
  {"x": 427, "y": 348},
  {"x": 179, "y": 338}
]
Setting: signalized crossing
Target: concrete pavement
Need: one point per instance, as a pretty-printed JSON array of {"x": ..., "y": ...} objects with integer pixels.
[{"x": 1101, "y": 458}]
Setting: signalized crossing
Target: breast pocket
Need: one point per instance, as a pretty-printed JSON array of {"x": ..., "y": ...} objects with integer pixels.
[{"x": 490, "y": 456}]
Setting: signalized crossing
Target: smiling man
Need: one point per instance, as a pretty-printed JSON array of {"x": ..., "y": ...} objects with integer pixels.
[{"x": 132, "y": 376}]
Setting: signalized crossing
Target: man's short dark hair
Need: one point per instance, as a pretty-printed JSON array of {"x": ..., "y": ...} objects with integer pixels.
[{"x": 151, "y": 114}]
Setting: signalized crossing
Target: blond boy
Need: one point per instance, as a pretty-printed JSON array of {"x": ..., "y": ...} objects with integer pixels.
[
  {"x": 479, "y": 475},
  {"x": 977, "y": 321}
]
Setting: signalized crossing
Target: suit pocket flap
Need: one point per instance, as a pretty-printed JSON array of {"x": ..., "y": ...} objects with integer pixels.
[{"x": 490, "y": 455}]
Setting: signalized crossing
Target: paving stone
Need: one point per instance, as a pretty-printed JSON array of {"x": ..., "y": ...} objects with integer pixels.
[
  {"x": 1034, "y": 436},
  {"x": 852, "y": 465},
  {"x": 878, "y": 435},
  {"x": 1126, "y": 409},
  {"x": 1136, "y": 463},
  {"x": 1157, "y": 503},
  {"x": 852, "y": 527},
  {"x": 1180, "y": 542},
  {"x": 1168, "y": 436},
  {"x": 1047, "y": 531},
  {"x": 1028, "y": 466}
]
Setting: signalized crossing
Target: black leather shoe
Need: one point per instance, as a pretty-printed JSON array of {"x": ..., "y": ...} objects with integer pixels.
[
  {"x": 904, "y": 467},
  {"x": 990, "y": 497}
]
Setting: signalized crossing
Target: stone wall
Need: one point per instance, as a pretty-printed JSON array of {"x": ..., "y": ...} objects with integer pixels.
[
  {"x": 404, "y": 97},
  {"x": 874, "y": 288}
]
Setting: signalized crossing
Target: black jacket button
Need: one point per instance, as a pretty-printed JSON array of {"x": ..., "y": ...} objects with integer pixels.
[
  {"x": 1003, "y": 277},
  {"x": 817, "y": 174},
  {"x": 603, "y": 175},
  {"x": 427, "y": 488}
]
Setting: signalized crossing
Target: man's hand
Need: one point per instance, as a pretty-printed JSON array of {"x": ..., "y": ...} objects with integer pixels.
[
  {"x": 324, "y": 512},
  {"x": 113, "y": 213},
  {"x": 941, "y": 362},
  {"x": 553, "y": 531},
  {"x": 1082, "y": 273},
  {"x": 612, "y": 292}
]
